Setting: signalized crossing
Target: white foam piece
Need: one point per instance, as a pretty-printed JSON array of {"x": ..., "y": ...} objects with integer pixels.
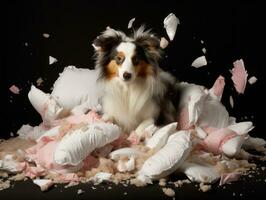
[
  {"x": 44, "y": 184},
  {"x": 252, "y": 80},
  {"x": 101, "y": 176},
  {"x": 170, "y": 24},
  {"x": 199, "y": 62},
  {"x": 46, "y": 35},
  {"x": 163, "y": 43},
  {"x": 130, "y": 23},
  {"x": 52, "y": 60}
]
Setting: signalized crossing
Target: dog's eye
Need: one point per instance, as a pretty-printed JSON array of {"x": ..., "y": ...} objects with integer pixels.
[
  {"x": 119, "y": 60},
  {"x": 135, "y": 60}
]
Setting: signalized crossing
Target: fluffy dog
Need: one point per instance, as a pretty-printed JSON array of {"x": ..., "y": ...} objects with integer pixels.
[{"x": 137, "y": 92}]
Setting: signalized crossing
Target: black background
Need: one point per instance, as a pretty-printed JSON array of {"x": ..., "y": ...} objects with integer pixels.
[{"x": 230, "y": 31}]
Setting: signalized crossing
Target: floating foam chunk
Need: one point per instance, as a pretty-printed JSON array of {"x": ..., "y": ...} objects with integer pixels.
[
  {"x": 46, "y": 35},
  {"x": 39, "y": 81},
  {"x": 163, "y": 43},
  {"x": 14, "y": 89},
  {"x": 167, "y": 159},
  {"x": 44, "y": 184},
  {"x": 124, "y": 152},
  {"x": 52, "y": 60},
  {"x": 130, "y": 23},
  {"x": 252, "y": 80},
  {"x": 160, "y": 137},
  {"x": 170, "y": 24},
  {"x": 199, "y": 62},
  {"x": 239, "y": 76},
  {"x": 77, "y": 145}
]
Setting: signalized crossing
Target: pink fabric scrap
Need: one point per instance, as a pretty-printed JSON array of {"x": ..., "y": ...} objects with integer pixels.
[
  {"x": 239, "y": 76},
  {"x": 215, "y": 140},
  {"x": 14, "y": 89},
  {"x": 229, "y": 177},
  {"x": 218, "y": 86},
  {"x": 133, "y": 138},
  {"x": 183, "y": 119}
]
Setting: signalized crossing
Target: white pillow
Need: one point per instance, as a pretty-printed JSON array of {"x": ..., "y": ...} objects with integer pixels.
[
  {"x": 77, "y": 86},
  {"x": 169, "y": 158},
  {"x": 77, "y": 145},
  {"x": 159, "y": 138},
  {"x": 200, "y": 172}
]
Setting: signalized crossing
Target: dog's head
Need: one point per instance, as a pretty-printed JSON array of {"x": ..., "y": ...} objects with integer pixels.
[{"x": 127, "y": 57}]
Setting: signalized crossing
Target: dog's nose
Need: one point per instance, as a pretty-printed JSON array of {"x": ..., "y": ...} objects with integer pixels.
[{"x": 127, "y": 76}]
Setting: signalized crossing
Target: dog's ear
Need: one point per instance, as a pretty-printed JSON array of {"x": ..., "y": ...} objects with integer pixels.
[
  {"x": 107, "y": 40},
  {"x": 149, "y": 43}
]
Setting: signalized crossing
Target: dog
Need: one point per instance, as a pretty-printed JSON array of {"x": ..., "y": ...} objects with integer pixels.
[{"x": 137, "y": 92}]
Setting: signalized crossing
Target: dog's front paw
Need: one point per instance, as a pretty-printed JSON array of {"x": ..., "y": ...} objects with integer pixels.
[{"x": 107, "y": 118}]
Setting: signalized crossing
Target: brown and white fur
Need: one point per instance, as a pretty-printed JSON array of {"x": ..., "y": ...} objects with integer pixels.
[{"x": 137, "y": 92}]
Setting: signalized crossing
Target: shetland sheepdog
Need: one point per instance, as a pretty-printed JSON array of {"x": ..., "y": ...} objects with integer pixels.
[{"x": 137, "y": 92}]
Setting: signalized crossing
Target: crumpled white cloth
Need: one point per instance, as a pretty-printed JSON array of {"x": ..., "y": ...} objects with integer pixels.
[{"x": 76, "y": 146}]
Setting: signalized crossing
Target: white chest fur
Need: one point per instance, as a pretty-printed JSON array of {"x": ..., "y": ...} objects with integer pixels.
[{"x": 129, "y": 104}]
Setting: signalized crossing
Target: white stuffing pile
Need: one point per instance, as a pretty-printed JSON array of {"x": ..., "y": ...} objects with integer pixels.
[{"x": 74, "y": 144}]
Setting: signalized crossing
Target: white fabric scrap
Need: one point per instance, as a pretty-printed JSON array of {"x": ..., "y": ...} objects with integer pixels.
[
  {"x": 199, "y": 62},
  {"x": 77, "y": 145},
  {"x": 170, "y": 24},
  {"x": 44, "y": 104},
  {"x": 52, "y": 60},
  {"x": 252, "y": 80},
  {"x": 101, "y": 176},
  {"x": 163, "y": 43},
  {"x": 130, "y": 23},
  {"x": 169, "y": 158},
  {"x": 160, "y": 137},
  {"x": 44, "y": 184},
  {"x": 204, "y": 50},
  {"x": 200, "y": 172}
]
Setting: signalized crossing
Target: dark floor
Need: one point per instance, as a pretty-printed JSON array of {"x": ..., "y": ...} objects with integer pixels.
[{"x": 250, "y": 186}]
